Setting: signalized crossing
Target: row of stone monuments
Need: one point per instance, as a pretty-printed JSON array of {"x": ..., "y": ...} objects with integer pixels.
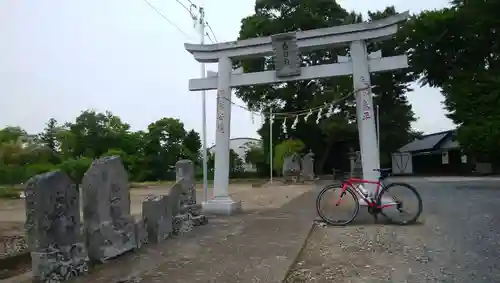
[
  {"x": 62, "y": 246},
  {"x": 298, "y": 168}
]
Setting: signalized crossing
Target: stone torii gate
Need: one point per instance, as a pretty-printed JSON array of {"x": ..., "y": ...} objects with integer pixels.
[{"x": 287, "y": 47}]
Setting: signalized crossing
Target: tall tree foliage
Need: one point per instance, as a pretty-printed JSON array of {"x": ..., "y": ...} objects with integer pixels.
[
  {"x": 274, "y": 16},
  {"x": 147, "y": 155},
  {"x": 390, "y": 88},
  {"x": 457, "y": 49}
]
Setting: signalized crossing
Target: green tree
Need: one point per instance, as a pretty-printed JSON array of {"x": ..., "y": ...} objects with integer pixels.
[
  {"x": 192, "y": 143},
  {"x": 76, "y": 167},
  {"x": 284, "y": 150},
  {"x": 457, "y": 50},
  {"x": 49, "y": 135},
  {"x": 164, "y": 146},
  {"x": 92, "y": 134},
  {"x": 274, "y": 16},
  {"x": 12, "y": 134},
  {"x": 210, "y": 160},
  {"x": 390, "y": 88},
  {"x": 235, "y": 163},
  {"x": 255, "y": 155}
]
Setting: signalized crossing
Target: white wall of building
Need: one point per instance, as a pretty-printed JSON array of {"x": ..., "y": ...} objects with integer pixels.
[{"x": 240, "y": 146}]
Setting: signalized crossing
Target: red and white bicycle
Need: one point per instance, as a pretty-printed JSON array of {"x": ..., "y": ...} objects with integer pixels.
[{"x": 345, "y": 199}]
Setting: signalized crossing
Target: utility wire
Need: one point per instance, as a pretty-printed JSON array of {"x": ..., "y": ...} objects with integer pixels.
[
  {"x": 165, "y": 18},
  {"x": 192, "y": 4},
  {"x": 212, "y": 31},
  {"x": 208, "y": 35},
  {"x": 187, "y": 9},
  {"x": 193, "y": 16}
]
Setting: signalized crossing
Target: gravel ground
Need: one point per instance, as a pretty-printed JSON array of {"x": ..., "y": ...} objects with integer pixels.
[{"x": 456, "y": 240}]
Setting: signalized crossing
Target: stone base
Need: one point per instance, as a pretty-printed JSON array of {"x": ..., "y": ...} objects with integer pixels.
[
  {"x": 58, "y": 265},
  {"x": 222, "y": 206},
  {"x": 199, "y": 220},
  {"x": 106, "y": 241},
  {"x": 141, "y": 233}
]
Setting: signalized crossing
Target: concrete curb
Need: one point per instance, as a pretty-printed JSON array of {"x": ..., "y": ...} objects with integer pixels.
[{"x": 296, "y": 257}]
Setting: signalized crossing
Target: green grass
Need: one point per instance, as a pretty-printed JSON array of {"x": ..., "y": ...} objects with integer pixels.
[{"x": 9, "y": 193}]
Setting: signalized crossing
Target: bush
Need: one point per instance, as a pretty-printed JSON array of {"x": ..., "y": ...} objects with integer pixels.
[
  {"x": 9, "y": 193},
  {"x": 36, "y": 169},
  {"x": 76, "y": 168},
  {"x": 11, "y": 174},
  {"x": 285, "y": 149}
]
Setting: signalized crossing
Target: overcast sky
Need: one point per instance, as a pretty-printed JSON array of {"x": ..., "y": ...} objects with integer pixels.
[{"x": 60, "y": 57}]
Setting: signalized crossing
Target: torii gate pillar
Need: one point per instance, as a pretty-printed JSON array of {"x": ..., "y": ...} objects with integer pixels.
[
  {"x": 364, "y": 110},
  {"x": 221, "y": 202}
]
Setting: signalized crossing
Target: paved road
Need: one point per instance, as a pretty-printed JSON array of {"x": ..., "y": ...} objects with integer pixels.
[{"x": 458, "y": 240}]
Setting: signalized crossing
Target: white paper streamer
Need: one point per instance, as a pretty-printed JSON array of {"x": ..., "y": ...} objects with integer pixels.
[
  {"x": 295, "y": 122},
  {"x": 308, "y": 114},
  {"x": 330, "y": 111},
  {"x": 319, "y": 115}
]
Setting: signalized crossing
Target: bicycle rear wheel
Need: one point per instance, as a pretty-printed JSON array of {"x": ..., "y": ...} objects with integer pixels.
[
  {"x": 345, "y": 205},
  {"x": 407, "y": 203}
]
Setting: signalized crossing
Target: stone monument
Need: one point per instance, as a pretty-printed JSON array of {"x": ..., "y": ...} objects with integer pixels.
[
  {"x": 108, "y": 226},
  {"x": 53, "y": 228},
  {"x": 355, "y": 163},
  {"x": 186, "y": 212},
  {"x": 140, "y": 233},
  {"x": 308, "y": 166},
  {"x": 291, "y": 167},
  {"x": 157, "y": 218},
  {"x": 184, "y": 173}
]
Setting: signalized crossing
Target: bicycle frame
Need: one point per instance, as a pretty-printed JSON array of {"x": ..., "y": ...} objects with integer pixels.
[{"x": 351, "y": 183}]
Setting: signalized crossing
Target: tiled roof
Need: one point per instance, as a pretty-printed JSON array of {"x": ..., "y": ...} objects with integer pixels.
[{"x": 427, "y": 142}]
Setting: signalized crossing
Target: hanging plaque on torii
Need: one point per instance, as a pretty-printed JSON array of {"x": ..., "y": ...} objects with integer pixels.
[{"x": 286, "y": 52}]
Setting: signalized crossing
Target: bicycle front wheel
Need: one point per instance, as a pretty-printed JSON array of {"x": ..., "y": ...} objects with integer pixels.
[
  {"x": 405, "y": 203},
  {"x": 337, "y": 207}
]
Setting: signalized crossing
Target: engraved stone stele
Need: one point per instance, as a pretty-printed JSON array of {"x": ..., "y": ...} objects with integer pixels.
[
  {"x": 108, "y": 226},
  {"x": 53, "y": 228},
  {"x": 184, "y": 173},
  {"x": 291, "y": 167},
  {"x": 157, "y": 218},
  {"x": 141, "y": 233},
  {"x": 355, "y": 163},
  {"x": 308, "y": 166},
  {"x": 186, "y": 213}
]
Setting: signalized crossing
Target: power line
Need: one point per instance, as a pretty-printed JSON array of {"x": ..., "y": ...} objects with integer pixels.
[
  {"x": 212, "y": 31},
  {"x": 187, "y": 9},
  {"x": 192, "y": 4},
  {"x": 208, "y": 35},
  {"x": 165, "y": 18}
]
